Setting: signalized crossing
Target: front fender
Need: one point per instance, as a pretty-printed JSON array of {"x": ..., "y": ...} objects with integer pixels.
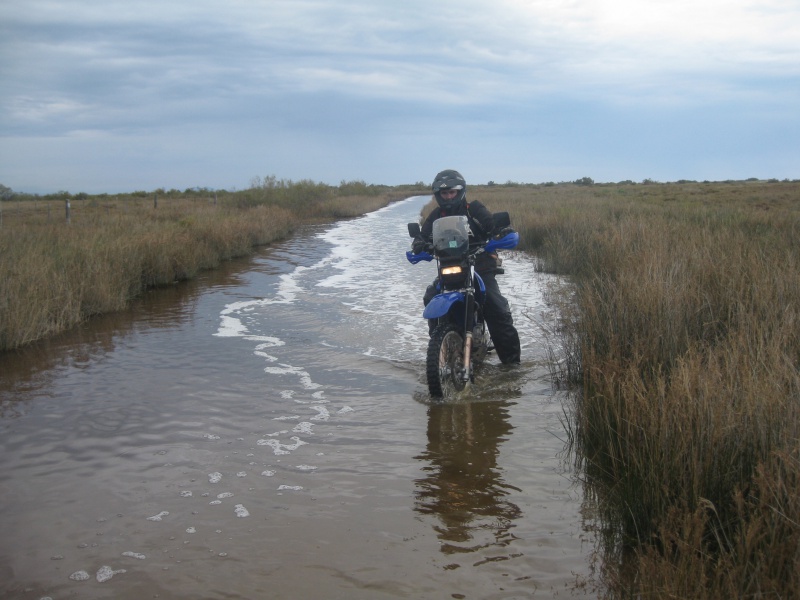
[{"x": 440, "y": 305}]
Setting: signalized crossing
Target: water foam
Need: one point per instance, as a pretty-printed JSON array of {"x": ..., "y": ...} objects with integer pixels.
[
  {"x": 302, "y": 374},
  {"x": 105, "y": 573},
  {"x": 304, "y": 427},
  {"x": 322, "y": 414},
  {"x": 280, "y": 449}
]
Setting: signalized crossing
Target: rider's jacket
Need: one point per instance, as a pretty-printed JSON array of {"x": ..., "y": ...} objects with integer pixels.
[{"x": 481, "y": 225}]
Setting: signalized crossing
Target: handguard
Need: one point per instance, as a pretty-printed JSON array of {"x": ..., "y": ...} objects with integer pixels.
[
  {"x": 507, "y": 242},
  {"x": 416, "y": 258}
]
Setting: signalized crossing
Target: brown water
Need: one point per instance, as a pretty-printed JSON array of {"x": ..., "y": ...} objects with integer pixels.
[{"x": 264, "y": 432}]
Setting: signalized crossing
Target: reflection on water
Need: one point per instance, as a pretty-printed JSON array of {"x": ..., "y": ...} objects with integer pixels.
[
  {"x": 464, "y": 486},
  {"x": 29, "y": 371}
]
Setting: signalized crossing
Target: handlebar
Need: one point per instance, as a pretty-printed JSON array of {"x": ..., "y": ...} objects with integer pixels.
[{"x": 507, "y": 242}]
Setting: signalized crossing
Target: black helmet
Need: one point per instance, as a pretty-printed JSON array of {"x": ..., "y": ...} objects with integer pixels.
[{"x": 449, "y": 180}]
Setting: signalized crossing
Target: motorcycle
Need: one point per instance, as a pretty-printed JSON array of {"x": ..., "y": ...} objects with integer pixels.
[{"x": 459, "y": 337}]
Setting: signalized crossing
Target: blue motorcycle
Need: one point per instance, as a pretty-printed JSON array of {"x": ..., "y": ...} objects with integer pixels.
[{"x": 459, "y": 337}]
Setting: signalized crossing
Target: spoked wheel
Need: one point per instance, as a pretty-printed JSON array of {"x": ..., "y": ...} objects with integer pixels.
[{"x": 445, "y": 362}]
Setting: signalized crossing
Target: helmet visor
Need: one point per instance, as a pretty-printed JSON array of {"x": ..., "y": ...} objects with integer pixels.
[
  {"x": 448, "y": 180},
  {"x": 441, "y": 187}
]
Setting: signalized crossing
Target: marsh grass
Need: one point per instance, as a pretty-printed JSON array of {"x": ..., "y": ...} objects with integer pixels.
[
  {"x": 685, "y": 423},
  {"x": 56, "y": 274}
]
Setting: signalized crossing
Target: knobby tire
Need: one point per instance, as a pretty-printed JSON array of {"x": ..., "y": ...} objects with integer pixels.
[{"x": 444, "y": 361}]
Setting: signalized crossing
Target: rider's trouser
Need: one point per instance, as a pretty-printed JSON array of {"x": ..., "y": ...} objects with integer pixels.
[{"x": 498, "y": 317}]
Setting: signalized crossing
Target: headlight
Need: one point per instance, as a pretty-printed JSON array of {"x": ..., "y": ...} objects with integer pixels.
[{"x": 451, "y": 270}]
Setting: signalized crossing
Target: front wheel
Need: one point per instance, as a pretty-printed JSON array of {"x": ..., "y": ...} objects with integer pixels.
[{"x": 445, "y": 361}]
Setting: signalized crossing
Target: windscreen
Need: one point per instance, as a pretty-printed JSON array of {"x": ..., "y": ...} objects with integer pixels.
[{"x": 451, "y": 235}]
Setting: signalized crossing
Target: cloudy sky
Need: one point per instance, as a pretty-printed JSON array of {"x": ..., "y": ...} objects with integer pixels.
[{"x": 112, "y": 96}]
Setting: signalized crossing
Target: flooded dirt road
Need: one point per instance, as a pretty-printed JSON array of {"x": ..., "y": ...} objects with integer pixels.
[{"x": 264, "y": 432}]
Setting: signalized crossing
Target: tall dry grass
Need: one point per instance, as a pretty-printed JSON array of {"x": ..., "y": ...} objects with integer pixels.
[
  {"x": 688, "y": 336},
  {"x": 56, "y": 274}
]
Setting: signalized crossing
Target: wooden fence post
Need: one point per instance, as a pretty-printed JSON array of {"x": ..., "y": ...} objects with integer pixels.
[{"x": 67, "y": 209}]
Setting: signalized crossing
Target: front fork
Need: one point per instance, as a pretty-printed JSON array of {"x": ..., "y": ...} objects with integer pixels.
[{"x": 469, "y": 317}]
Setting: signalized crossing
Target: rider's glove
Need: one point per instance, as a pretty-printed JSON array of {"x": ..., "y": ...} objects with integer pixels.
[
  {"x": 418, "y": 245},
  {"x": 503, "y": 232}
]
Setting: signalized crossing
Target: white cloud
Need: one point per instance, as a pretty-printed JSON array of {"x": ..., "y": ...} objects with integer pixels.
[{"x": 673, "y": 34}]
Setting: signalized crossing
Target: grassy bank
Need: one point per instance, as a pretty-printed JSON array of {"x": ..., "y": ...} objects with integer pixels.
[
  {"x": 56, "y": 274},
  {"x": 686, "y": 341}
]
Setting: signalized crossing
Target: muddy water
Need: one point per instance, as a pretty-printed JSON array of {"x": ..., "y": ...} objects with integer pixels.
[{"x": 264, "y": 432}]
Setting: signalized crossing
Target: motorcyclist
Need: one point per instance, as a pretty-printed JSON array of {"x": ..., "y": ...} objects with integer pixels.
[{"x": 450, "y": 190}]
